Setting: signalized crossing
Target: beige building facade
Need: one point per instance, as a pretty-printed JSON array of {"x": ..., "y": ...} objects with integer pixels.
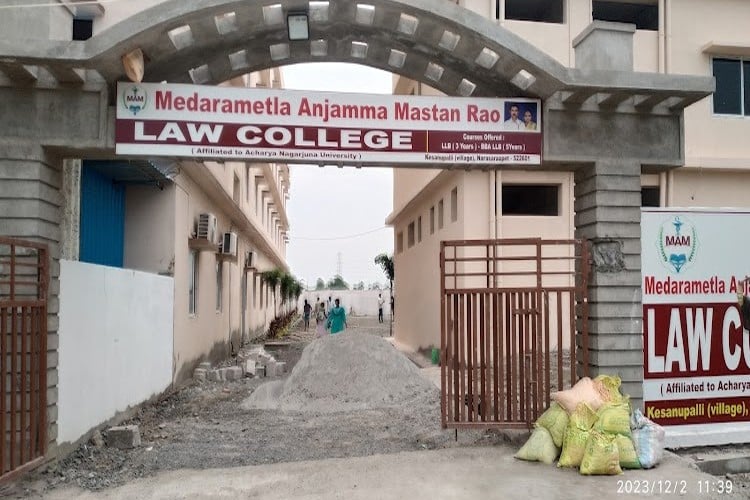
[{"x": 689, "y": 37}]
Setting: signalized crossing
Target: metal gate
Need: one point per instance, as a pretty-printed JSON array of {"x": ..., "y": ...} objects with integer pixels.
[
  {"x": 23, "y": 355},
  {"x": 514, "y": 328}
]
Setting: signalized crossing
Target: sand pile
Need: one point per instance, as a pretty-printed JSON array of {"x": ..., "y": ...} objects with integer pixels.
[{"x": 348, "y": 371}]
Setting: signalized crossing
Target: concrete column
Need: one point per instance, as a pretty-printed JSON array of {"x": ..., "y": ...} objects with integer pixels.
[
  {"x": 30, "y": 208},
  {"x": 607, "y": 206},
  {"x": 71, "y": 214}
]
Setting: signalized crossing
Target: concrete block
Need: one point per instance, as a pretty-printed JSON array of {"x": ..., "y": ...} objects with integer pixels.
[
  {"x": 280, "y": 367},
  {"x": 249, "y": 367},
  {"x": 265, "y": 357},
  {"x": 206, "y": 365},
  {"x": 200, "y": 374},
  {"x": 124, "y": 437},
  {"x": 270, "y": 369},
  {"x": 592, "y": 215},
  {"x": 214, "y": 376},
  {"x": 613, "y": 358},
  {"x": 615, "y": 294},
  {"x": 605, "y": 46},
  {"x": 621, "y": 342},
  {"x": 233, "y": 373}
]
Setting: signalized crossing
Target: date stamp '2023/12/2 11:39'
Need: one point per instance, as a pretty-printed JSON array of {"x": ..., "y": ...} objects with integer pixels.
[{"x": 680, "y": 487}]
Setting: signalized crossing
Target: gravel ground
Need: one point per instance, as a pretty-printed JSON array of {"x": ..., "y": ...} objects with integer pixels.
[{"x": 204, "y": 426}]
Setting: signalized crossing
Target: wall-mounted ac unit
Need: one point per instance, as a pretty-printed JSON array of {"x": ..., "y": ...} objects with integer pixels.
[
  {"x": 207, "y": 227},
  {"x": 229, "y": 244},
  {"x": 249, "y": 259}
]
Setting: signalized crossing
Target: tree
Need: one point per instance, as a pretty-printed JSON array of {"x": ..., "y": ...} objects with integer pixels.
[
  {"x": 287, "y": 282},
  {"x": 272, "y": 278},
  {"x": 320, "y": 284},
  {"x": 386, "y": 262},
  {"x": 360, "y": 286},
  {"x": 297, "y": 291},
  {"x": 338, "y": 283}
]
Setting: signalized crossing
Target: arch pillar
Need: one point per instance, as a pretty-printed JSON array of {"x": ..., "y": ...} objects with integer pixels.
[
  {"x": 31, "y": 207},
  {"x": 608, "y": 214}
]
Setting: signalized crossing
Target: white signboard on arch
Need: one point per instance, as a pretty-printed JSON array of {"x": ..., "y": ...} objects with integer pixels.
[
  {"x": 696, "y": 351},
  {"x": 320, "y": 127}
]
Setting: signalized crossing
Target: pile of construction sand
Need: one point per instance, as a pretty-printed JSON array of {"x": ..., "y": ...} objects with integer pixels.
[{"x": 347, "y": 371}]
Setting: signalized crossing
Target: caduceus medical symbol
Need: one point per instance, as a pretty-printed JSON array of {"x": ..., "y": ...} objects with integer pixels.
[
  {"x": 134, "y": 102},
  {"x": 677, "y": 260}
]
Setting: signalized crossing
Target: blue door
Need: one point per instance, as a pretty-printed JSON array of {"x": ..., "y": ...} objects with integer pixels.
[{"x": 102, "y": 216}]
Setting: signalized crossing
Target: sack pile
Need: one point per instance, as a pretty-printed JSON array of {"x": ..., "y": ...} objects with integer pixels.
[{"x": 591, "y": 426}]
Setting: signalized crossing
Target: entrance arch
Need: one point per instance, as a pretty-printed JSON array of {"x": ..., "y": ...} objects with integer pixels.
[
  {"x": 601, "y": 119},
  {"x": 217, "y": 40}
]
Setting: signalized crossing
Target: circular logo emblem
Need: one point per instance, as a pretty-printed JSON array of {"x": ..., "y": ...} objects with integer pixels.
[
  {"x": 134, "y": 99},
  {"x": 678, "y": 244}
]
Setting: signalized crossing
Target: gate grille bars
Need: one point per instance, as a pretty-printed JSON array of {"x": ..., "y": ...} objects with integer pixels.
[
  {"x": 514, "y": 328},
  {"x": 23, "y": 355}
]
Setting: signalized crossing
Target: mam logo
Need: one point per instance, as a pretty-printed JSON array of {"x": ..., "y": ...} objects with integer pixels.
[
  {"x": 134, "y": 99},
  {"x": 678, "y": 244}
]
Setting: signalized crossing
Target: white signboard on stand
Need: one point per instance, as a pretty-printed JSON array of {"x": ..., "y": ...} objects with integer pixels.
[{"x": 696, "y": 351}]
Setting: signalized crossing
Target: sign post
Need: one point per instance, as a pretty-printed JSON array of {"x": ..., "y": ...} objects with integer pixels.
[{"x": 696, "y": 351}]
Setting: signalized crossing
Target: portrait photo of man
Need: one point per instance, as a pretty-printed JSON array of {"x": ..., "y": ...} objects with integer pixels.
[{"x": 521, "y": 116}]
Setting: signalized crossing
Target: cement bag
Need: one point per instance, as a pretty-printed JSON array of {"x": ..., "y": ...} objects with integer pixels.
[
  {"x": 555, "y": 420},
  {"x": 648, "y": 438},
  {"x": 609, "y": 388},
  {"x": 583, "y": 392},
  {"x": 601, "y": 456},
  {"x": 628, "y": 456},
  {"x": 539, "y": 447},
  {"x": 576, "y": 436},
  {"x": 614, "y": 418}
]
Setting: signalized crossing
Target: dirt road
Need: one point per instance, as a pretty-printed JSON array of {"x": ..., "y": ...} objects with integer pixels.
[
  {"x": 201, "y": 436},
  {"x": 203, "y": 426}
]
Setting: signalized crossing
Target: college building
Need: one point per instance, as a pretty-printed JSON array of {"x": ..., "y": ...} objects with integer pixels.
[{"x": 685, "y": 37}]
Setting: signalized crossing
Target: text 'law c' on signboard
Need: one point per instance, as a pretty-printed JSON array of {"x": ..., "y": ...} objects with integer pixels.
[{"x": 318, "y": 127}]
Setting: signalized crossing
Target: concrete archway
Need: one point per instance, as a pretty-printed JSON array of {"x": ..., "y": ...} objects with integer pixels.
[{"x": 601, "y": 119}]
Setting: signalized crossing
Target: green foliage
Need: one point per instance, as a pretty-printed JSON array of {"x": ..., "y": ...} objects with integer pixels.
[
  {"x": 297, "y": 290},
  {"x": 337, "y": 283},
  {"x": 289, "y": 286},
  {"x": 287, "y": 282},
  {"x": 320, "y": 284},
  {"x": 280, "y": 325},
  {"x": 386, "y": 262},
  {"x": 360, "y": 286},
  {"x": 272, "y": 277}
]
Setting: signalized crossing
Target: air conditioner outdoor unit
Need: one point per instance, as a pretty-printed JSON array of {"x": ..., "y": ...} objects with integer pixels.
[
  {"x": 229, "y": 244},
  {"x": 249, "y": 259},
  {"x": 207, "y": 227}
]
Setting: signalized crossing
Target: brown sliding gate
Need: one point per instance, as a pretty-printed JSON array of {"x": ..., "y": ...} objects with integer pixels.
[
  {"x": 23, "y": 355},
  {"x": 513, "y": 323}
]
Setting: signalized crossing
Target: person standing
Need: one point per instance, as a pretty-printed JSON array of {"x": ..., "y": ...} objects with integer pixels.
[
  {"x": 320, "y": 320},
  {"x": 337, "y": 318},
  {"x": 381, "y": 302},
  {"x": 329, "y": 305},
  {"x": 393, "y": 306},
  {"x": 306, "y": 309}
]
